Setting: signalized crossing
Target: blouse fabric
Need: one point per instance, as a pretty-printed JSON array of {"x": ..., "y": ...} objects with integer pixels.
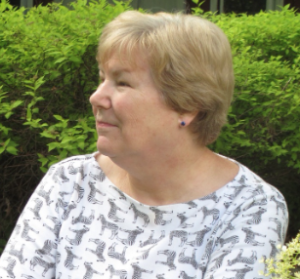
[{"x": 78, "y": 225}]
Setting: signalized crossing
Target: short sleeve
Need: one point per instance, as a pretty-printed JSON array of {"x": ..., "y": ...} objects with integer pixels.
[
  {"x": 251, "y": 233},
  {"x": 32, "y": 245}
]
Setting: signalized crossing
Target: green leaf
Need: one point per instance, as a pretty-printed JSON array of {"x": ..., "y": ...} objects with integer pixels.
[
  {"x": 39, "y": 82},
  {"x": 8, "y": 114},
  {"x": 60, "y": 60},
  {"x": 43, "y": 159},
  {"x": 28, "y": 114},
  {"x": 58, "y": 117},
  {"x": 67, "y": 140},
  {"x": 44, "y": 170},
  {"x": 48, "y": 134},
  {"x": 30, "y": 87},
  {"x": 12, "y": 150},
  {"x": 6, "y": 143},
  {"x": 53, "y": 145},
  {"x": 81, "y": 145},
  {"x": 16, "y": 104}
]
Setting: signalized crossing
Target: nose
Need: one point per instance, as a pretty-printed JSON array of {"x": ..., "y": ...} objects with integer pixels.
[{"x": 101, "y": 97}]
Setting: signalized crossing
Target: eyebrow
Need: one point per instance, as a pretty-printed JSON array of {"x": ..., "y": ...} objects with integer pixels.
[{"x": 116, "y": 72}]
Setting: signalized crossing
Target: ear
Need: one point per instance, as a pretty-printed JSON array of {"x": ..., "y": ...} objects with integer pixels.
[{"x": 186, "y": 118}]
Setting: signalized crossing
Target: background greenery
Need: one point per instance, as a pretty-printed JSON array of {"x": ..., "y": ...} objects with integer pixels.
[{"x": 48, "y": 71}]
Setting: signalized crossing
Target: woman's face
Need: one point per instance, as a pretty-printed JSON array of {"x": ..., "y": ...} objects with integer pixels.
[{"x": 131, "y": 116}]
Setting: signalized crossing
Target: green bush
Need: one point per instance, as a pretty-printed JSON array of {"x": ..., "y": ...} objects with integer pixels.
[
  {"x": 263, "y": 128},
  {"x": 264, "y": 118},
  {"x": 48, "y": 70},
  {"x": 47, "y": 73}
]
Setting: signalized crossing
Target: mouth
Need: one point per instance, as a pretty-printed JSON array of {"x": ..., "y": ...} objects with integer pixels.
[{"x": 102, "y": 124}]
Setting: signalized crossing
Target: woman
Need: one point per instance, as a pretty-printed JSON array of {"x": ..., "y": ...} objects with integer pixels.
[{"x": 153, "y": 202}]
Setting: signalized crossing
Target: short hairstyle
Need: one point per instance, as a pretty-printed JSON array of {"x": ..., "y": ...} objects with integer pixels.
[{"x": 190, "y": 60}]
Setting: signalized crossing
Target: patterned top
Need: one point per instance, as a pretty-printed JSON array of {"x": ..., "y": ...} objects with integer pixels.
[{"x": 78, "y": 225}]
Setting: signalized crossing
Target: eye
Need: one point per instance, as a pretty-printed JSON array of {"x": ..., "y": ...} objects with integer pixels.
[{"x": 122, "y": 83}]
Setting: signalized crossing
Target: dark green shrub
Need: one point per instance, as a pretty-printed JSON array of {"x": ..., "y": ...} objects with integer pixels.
[
  {"x": 48, "y": 70},
  {"x": 263, "y": 130},
  {"x": 265, "y": 112}
]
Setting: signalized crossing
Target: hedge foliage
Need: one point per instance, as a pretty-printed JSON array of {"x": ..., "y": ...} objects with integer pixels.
[
  {"x": 264, "y": 118},
  {"x": 48, "y": 70}
]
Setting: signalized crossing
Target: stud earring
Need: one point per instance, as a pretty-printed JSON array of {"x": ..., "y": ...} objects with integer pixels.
[{"x": 182, "y": 123}]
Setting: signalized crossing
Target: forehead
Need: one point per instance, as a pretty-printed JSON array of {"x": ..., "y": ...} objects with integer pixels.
[{"x": 122, "y": 60}]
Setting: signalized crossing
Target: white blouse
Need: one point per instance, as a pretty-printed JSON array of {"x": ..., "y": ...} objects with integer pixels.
[{"x": 78, "y": 225}]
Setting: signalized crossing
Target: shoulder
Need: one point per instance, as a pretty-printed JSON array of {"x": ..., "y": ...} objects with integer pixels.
[
  {"x": 81, "y": 159},
  {"x": 248, "y": 193},
  {"x": 75, "y": 161},
  {"x": 252, "y": 184},
  {"x": 253, "y": 201},
  {"x": 71, "y": 166}
]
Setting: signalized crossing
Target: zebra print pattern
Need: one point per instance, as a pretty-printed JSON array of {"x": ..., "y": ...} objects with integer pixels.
[
  {"x": 215, "y": 213},
  {"x": 17, "y": 253},
  {"x": 80, "y": 191},
  {"x": 92, "y": 195},
  {"x": 45, "y": 194},
  {"x": 242, "y": 259},
  {"x": 90, "y": 271},
  {"x": 74, "y": 170},
  {"x": 183, "y": 220},
  {"x": 278, "y": 229},
  {"x": 191, "y": 260},
  {"x": 39, "y": 261},
  {"x": 220, "y": 236},
  {"x": 9, "y": 268},
  {"x": 26, "y": 230},
  {"x": 99, "y": 249},
  {"x": 132, "y": 235},
  {"x": 170, "y": 258},
  {"x": 139, "y": 214},
  {"x": 219, "y": 260},
  {"x": 250, "y": 237},
  {"x": 49, "y": 245},
  {"x": 256, "y": 216},
  {"x": 137, "y": 271},
  {"x": 117, "y": 255},
  {"x": 122, "y": 274},
  {"x": 240, "y": 273},
  {"x": 184, "y": 275},
  {"x": 87, "y": 220},
  {"x": 145, "y": 253},
  {"x": 78, "y": 236},
  {"x": 231, "y": 239},
  {"x": 37, "y": 208}
]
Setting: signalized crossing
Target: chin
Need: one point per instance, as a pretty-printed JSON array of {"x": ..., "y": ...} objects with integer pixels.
[{"x": 105, "y": 147}]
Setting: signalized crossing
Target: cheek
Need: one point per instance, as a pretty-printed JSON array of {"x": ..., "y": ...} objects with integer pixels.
[
  {"x": 139, "y": 116},
  {"x": 128, "y": 110},
  {"x": 134, "y": 118}
]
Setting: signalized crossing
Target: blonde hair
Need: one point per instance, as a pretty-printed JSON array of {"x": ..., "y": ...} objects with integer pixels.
[{"x": 190, "y": 60}]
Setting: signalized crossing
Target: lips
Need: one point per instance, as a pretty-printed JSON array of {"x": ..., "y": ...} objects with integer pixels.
[{"x": 103, "y": 124}]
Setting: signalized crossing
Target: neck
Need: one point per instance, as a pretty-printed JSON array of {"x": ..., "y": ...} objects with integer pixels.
[
  {"x": 172, "y": 180},
  {"x": 170, "y": 177}
]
